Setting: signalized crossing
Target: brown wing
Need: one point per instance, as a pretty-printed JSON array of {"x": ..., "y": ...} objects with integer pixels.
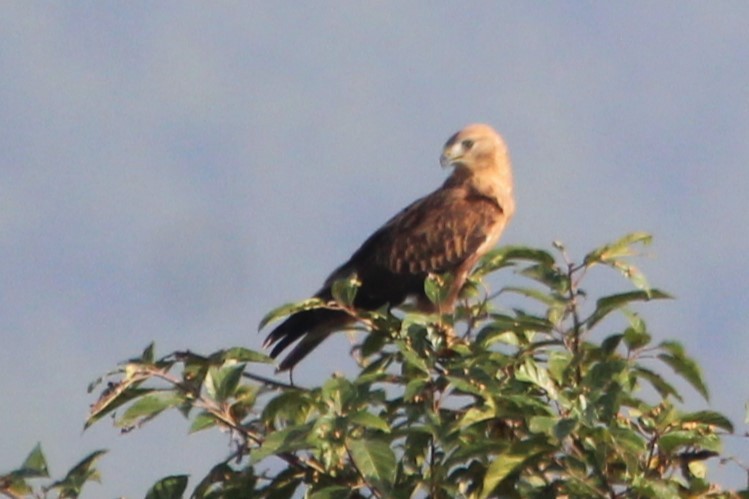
[
  {"x": 443, "y": 232},
  {"x": 435, "y": 234}
]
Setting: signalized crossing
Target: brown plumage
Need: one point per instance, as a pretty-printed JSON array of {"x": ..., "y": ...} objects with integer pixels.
[{"x": 445, "y": 231}]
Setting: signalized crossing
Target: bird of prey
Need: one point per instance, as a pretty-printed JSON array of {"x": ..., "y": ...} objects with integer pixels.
[{"x": 446, "y": 231}]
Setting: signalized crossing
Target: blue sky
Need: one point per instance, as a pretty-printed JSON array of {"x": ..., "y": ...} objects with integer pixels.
[{"x": 171, "y": 171}]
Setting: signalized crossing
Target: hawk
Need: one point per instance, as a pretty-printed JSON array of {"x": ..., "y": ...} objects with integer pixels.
[{"x": 446, "y": 231}]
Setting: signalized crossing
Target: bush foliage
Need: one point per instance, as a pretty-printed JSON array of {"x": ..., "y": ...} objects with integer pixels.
[{"x": 549, "y": 400}]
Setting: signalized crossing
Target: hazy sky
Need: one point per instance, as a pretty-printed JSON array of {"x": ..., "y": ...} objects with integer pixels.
[{"x": 171, "y": 171}]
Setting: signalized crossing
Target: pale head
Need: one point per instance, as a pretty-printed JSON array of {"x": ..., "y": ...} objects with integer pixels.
[
  {"x": 474, "y": 147},
  {"x": 480, "y": 159}
]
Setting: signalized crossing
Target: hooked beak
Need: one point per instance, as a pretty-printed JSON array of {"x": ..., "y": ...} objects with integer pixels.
[
  {"x": 450, "y": 155},
  {"x": 444, "y": 161}
]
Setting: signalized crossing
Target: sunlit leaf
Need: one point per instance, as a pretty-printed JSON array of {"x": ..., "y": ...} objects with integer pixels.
[
  {"x": 620, "y": 248},
  {"x": 507, "y": 255},
  {"x": 344, "y": 290},
  {"x": 375, "y": 460},
  {"x": 241, "y": 354},
  {"x": 437, "y": 287},
  {"x": 114, "y": 397},
  {"x": 535, "y": 373},
  {"x": 148, "y": 407},
  {"x": 711, "y": 418},
  {"x": 290, "y": 309},
  {"x": 542, "y": 424},
  {"x": 339, "y": 393},
  {"x": 221, "y": 382},
  {"x": 503, "y": 466},
  {"x": 369, "y": 420},
  {"x": 698, "y": 469},
  {"x": 558, "y": 364},
  {"x": 476, "y": 415}
]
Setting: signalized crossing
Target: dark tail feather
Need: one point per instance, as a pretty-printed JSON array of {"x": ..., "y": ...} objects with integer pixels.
[{"x": 312, "y": 326}]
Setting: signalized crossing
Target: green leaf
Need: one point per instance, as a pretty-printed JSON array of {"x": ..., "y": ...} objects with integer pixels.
[
  {"x": 501, "y": 468},
  {"x": 344, "y": 290},
  {"x": 412, "y": 359},
  {"x": 505, "y": 328},
  {"x": 437, "y": 287},
  {"x": 610, "y": 343},
  {"x": 684, "y": 366},
  {"x": 372, "y": 343},
  {"x": 289, "y": 439},
  {"x": 203, "y": 421},
  {"x": 564, "y": 427},
  {"x": 608, "y": 304},
  {"x": 663, "y": 388},
  {"x": 636, "y": 336},
  {"x": 550, "y": 276},
  {"x": 376, "y": 462},
  {"x": 535, "y": 373},
  {"x": 114, "y": 397},
  {"x": 148, "y": 355},
  {"x": 339, "y": 393},
  {"x": 170, "y": 487},
  {"x": 221, "y": 383},
  {"x": 618, "y": 249},
  {"x": 698, "y": 469},
  {"x": 368, "y": 420},
  {"x": 628, "y": 439},
  {"x": 83, "y": 472},
  {"x": 414, "y": 388},
  {"x": 240, "y": 354},
  {"x": 290, "y": 309},
  {"x": 34, "y": 466},
  {"x": 288, "y": 407},
  {"x": 711, "y": 418},
  {"x": 674, "y": 439},
  {"x": 148, "y": 407},
  {"x": 542, "y": 424},
  {"x": 476, "y": 415},
  {"x": 558, "y": 364},
  {"x": 655, "y": 487},
  {"x": 508, "y": 255},
  {"x": 550, "y": 300}
]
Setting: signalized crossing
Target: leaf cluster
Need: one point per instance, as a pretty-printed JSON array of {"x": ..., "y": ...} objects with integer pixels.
[{"x": 483, "y": 402}]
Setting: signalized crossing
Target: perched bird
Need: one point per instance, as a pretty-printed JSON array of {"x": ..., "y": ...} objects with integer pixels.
[{"x": 445, "y": 231}]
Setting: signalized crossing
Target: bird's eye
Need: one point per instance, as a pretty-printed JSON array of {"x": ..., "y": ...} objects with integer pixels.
[{"x": 467, "y": 144}]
